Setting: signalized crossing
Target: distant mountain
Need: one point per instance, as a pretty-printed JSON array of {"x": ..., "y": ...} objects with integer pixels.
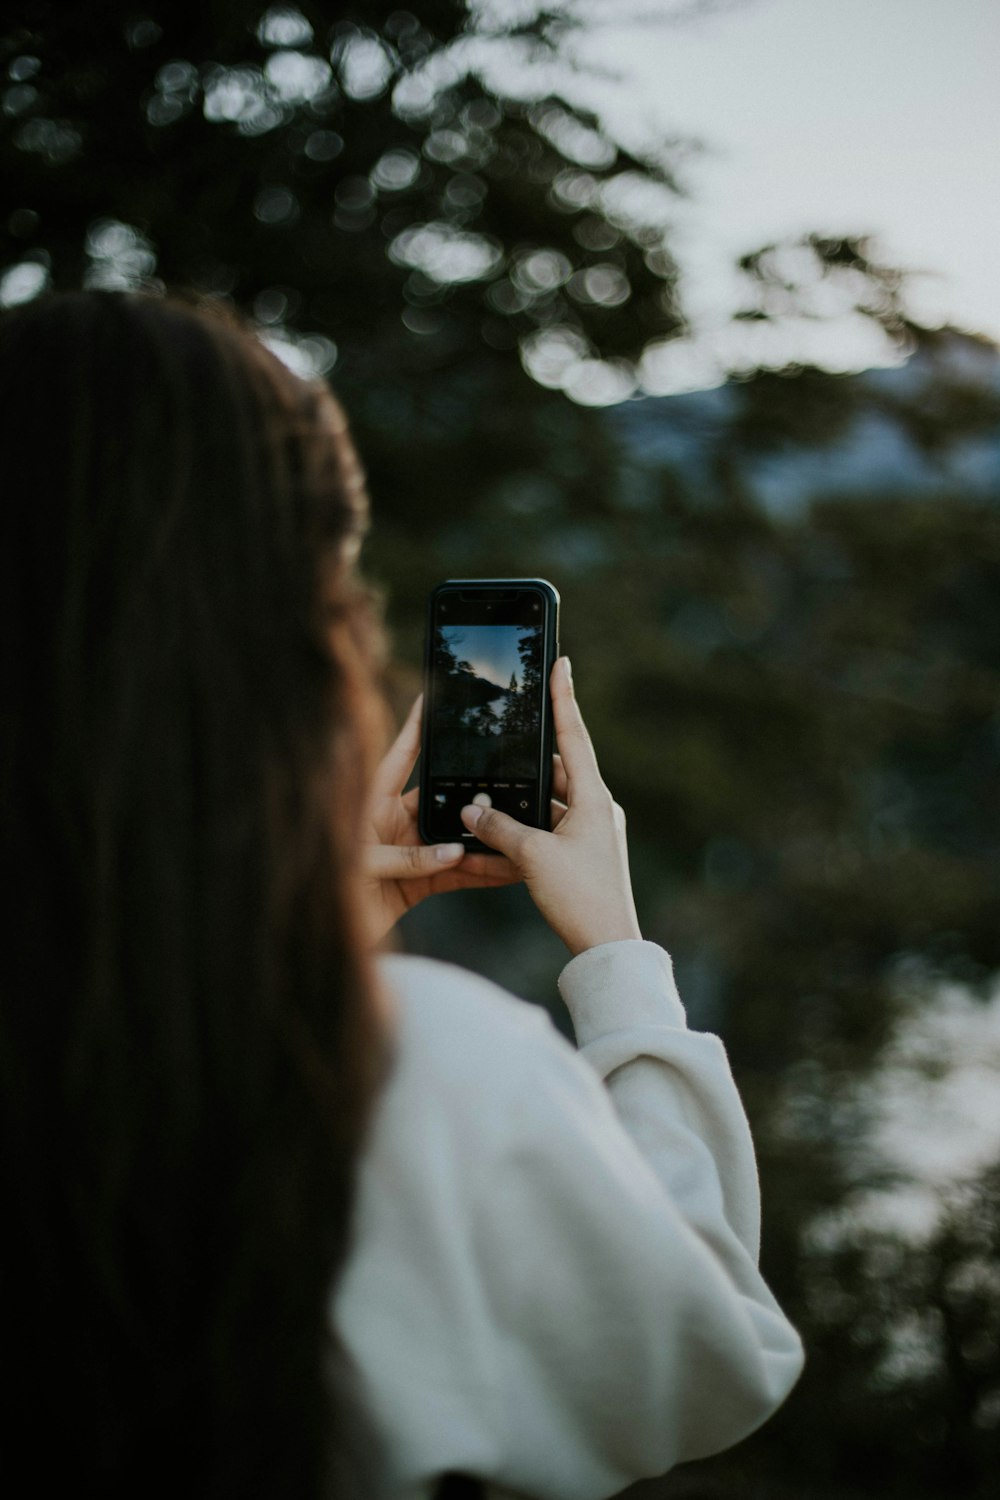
[{"x": 930, "y": 425}]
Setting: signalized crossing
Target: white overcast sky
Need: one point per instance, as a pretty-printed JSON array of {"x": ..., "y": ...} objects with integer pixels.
[
  {"x": 932, "y": 1107},
  {"x": 841, "y": 116}
]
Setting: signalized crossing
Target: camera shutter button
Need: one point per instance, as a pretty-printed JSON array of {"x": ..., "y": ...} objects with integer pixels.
[{"x": 482, "y": 799}]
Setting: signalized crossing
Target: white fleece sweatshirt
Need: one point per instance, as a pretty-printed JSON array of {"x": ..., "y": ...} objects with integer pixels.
[{"x": 554, "y": 1284}]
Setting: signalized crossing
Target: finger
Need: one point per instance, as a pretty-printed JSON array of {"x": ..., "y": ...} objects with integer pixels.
[
  {"x": 489, "y": 866},
  {"x": 400, "y": 758},
  {"x": 582, "y": 775},
  {"x": 498, "y": 830},
  {"x": 559, "y": 811},
  {"x": 461, "y": 880},
  {"x": 411, "y": 801},
  {"x": 409, "y": 861},
  {"x": 560, "y": 784}
]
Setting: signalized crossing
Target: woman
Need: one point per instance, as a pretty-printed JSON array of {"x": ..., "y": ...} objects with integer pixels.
[{"x": 283, "y": 1217}]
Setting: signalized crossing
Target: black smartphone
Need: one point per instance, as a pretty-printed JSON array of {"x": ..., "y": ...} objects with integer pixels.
[{"x": 487, "y": 730}]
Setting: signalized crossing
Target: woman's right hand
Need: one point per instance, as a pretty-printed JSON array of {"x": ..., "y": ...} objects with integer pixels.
[{"x": 577, "y": 874}]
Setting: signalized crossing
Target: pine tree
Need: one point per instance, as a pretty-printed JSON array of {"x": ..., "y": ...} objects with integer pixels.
[
  {"x": 511, "y": 720},
  {"x": 483, "y": 720}
]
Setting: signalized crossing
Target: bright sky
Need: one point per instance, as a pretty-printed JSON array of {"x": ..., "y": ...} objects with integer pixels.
[
  {"x": 933, "y": 1107},
  {"x": 491, "y": 650},
  {"x": 842, "y": 116}
]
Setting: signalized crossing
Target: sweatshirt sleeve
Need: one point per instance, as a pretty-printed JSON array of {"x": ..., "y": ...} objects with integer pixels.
[{"x": 623, "y": 1228}]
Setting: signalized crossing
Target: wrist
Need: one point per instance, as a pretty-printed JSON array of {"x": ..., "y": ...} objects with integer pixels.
[{"x": 625, "y": 929}]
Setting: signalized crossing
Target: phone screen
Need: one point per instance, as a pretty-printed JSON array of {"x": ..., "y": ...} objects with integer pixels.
[{"x": 488, "y": 676}]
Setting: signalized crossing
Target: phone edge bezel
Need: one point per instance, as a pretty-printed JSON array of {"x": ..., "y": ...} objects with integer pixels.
[{"x": 550, "y": 648}]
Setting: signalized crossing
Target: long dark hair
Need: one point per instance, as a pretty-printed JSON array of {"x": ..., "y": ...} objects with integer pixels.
[{"x": 188, "y": 1042}]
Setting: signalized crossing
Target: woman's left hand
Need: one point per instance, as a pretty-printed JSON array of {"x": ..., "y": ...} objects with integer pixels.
[{"x": 399, "y": 868}]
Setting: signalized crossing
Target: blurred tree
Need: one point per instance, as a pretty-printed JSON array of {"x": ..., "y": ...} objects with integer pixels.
[
  {"x": 806, "y": 735},
  {"x": 399, "y": 195}
]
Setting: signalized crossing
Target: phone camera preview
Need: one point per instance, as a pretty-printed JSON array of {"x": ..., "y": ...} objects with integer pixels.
[{"x": 487, "y": 658}]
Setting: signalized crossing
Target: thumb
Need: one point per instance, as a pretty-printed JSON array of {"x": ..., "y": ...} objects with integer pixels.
[
  {"x": 497, "y": 830},
  {"x": 409, "y": 861}
]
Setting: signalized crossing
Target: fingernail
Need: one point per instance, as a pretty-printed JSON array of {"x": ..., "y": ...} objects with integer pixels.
[
  {"x": 471, "y": 815},
  {"x": 447, "y": 853},
  {"x": 568, "y": 670}
]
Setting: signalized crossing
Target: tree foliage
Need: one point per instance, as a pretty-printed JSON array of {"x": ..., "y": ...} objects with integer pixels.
[{"x": 342, "y": 169}]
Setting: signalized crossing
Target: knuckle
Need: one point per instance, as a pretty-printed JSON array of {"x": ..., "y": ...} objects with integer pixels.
[{"x": 490, "y": 829}]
